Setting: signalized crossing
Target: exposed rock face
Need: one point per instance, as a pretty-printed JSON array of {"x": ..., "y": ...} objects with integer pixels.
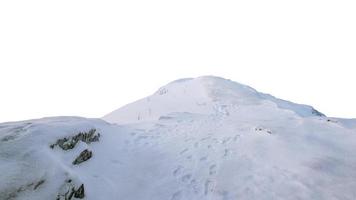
[
  {"x": 80, "y": 192},
  {"x": 83, "y": 156},
  {"x": 69, "y": 143},
  {"x": 68, "y": 191}
]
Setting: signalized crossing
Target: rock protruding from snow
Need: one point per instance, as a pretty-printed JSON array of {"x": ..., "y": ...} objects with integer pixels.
[
  {"x": 69, "y": 143},
  {"x": 69, "y": 191},
  {"x": 203, "y": 95},
  {"x": 83, "y": 156}
]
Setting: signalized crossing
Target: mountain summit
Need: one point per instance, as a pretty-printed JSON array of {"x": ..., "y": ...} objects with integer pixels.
[
  {"x": 203, "y": 95},
  {"x": 206, "y": 138}
]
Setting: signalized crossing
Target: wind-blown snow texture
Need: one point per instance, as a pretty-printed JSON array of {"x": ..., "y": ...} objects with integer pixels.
[{"x": 194, "y": 139}]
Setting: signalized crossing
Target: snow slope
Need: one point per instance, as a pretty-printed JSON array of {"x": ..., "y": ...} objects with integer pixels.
[
  {"x": 204, "y": 139},
  {"x": 202, "y": 95}
]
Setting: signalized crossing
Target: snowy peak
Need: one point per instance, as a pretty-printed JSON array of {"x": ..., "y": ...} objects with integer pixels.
[
  {"x": 211, "y": 87},
  {"x": 220, "y": 89},
  {"x": 203, "y": 95}
]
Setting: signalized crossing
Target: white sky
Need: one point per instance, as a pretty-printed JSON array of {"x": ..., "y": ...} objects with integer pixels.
[{"x": 88, "y": 58}]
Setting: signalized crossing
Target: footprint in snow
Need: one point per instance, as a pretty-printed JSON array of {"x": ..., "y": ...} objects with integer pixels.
[
  {"x": 224, "y": 194},
  {"x": 204, "y": 158},
  {"x": 177, "y": 171},
  {"x": 215, "y": 140},
  {"x": 194, "y": 186},
  {"x": 205, "y": 138},
  {"x": 227, "y": 152},
  {"x": 177, "y": 195},
  {"x": 183, "y": 151},
  {"x": 188, "y": 140},
  {"x": 226, "y": 140},
  {"x": 186, "y": 177},
  {"x": 196, "y": 145},
  {"x": 208, "y": 187},
  {"x": 212, "y": 169},
  {"x": 236, "y": 137}
]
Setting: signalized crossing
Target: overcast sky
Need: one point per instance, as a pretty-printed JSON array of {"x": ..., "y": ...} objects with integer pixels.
[{"x": 88, "y": 58}]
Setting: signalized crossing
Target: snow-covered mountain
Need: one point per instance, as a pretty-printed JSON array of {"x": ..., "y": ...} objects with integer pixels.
[
  {"x": 203, "y": 95},
  {"x": 195, "y": 139}
]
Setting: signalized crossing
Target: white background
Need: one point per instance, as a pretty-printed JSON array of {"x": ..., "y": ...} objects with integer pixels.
[{"x": 88, "y": 58}]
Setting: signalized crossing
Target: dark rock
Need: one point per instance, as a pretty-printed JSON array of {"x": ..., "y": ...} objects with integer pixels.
[
  {"x": 330, "y": 120},
  {"x": 80, "y": 192},
  {"x": 83, "y": 156},
  {"x": 38, "y": 184},
  {"x": 69, "y": 191},
  {"x": 70, "y": 143}
]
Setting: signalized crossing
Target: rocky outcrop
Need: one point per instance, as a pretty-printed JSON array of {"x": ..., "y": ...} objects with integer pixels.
[
  {"x": 15, "y": 192},
  {"x": 83, "y": 156},
  {"x": 71, "y": 142},
  {"x": 69, "y": 191},
  {"x": 79, "y": 193}
]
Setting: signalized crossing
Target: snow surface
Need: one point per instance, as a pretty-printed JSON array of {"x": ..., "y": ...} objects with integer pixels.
[
  {"x": 202, "y": 95},
  {"x": 195, "y": 139}
]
